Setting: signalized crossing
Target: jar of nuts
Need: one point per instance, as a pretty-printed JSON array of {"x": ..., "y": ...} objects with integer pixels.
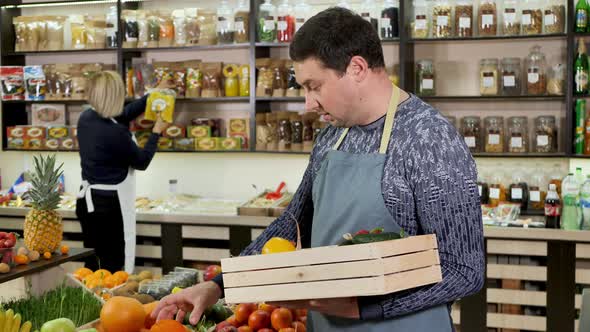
[{"x": 494, "y": 134}]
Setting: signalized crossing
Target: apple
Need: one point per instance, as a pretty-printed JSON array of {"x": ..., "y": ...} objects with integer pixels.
[
  {"x": 59, "y": 325},
  {"x": 211, "y": 272}
]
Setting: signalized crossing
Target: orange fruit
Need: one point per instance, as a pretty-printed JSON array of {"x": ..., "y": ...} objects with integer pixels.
[
  {"x": 281, "y": 318},
  {"x": 243, "y": 311},
  {"x": 299, "y": 327},
  {"x": 149, "y": 307},
  {"x": 64, "y": 249},
  {"x": 122, "y": 314},
  {"x": 21, "y": 259},
  {"x": 245, "y": 328},
  {"x": 110, "y": 282},
  {"x": 267, "y": 307},
  {"x": 276, "y": 245},
  {"x": 168, "y": 325},
  {"x": 259, "y": 319},
  {"x": 121, "y": 276},
  {"x": 102, "y": 273},
  {"x": 47, "y": 255},
  {"x": 82, "y": 272},
  {"x": 233, "y": 321}
]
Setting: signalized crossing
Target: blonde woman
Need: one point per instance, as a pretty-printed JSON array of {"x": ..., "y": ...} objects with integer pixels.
[{"x": 109, "y": 156}]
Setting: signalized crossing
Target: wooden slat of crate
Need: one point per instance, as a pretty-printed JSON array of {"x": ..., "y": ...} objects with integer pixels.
[
  {"x": 358, "y": 269},
  {"x": 336, "y": 288},
  {"x": 333, "y": 254}
]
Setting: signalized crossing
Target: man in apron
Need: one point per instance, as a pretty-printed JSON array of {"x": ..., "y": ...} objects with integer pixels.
[{"x": 387, "y": 160}]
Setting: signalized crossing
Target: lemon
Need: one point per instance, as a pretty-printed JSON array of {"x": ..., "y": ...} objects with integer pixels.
[
  {"x": 276, "y": 245},
  {"x": 176, "y": 290}
]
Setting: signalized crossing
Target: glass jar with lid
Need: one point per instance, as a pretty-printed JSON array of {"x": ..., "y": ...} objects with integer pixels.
[
  {"x": 464, "y": 18},
  {"x": 545, "y": 138},
  {"x": 554, "y": 17},
  {"x": 497, "y": 187},
  {"x": 532, "y": 17},
  {"x": 518, "y": 139},
  {"x": 494, "y": 134},
  {"x": 420, "y": 26},
  {"x": 518, "y": 191},
  {"x": 425, "y": 78},
  {"x": 535, "y": 71},
  {"x": 488, "y": 18},
  {"x": 510, "y": 77},
  {"x": 488, "y": 77},
  {"x": 225, "y": 23},
  {"x": 511, "y": 18},
  {"x": 389, "y": 23},
  {"x": 471, "y": 131},
  {"x": 483, "y": 187},
  {"x": 441, "y": 19},
  {"x": 538, "y": 185}
]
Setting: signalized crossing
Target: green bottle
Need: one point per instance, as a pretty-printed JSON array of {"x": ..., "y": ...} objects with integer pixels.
[
  {"x": 581, "y": 16},
  {"x": 581, "y": 69}
]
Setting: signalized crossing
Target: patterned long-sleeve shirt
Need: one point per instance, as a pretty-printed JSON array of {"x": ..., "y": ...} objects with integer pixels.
[{"x": 429, "y": 185}]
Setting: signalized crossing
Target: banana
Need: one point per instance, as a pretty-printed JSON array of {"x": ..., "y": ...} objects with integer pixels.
[
  {"x": 26, "y": 327},
  {"x": 8, "y": 320},
  {"x": 2, "y": 319},
  {"x": 15, "y": 323}
]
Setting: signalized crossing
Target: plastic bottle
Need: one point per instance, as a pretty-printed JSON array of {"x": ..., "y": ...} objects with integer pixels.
[
  {"x": 585, "y": 204},
  {"x": 570, "y": 215},
  {"x": 552, "y": 208}
]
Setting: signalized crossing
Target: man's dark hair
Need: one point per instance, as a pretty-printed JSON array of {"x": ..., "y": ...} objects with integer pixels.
[{"x": 334, "y": 36}]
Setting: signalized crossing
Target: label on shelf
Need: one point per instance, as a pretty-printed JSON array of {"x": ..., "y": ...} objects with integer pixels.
[
  {"x": 509, "y": 81},
  {"x": 495, "y": 193},
  {"x": 535, "y": 196},
  {"x": 526, "y": 19},
  {"x": 494, "y": 139},
  {"x": 509, "y": 16},
  {"x": 470, "y": 141},
  {"x": 516, "y": 142},
  {"x": 533, "y": 78},
  {"x": 442, "y": 21},
  {"x": 549, "y": 18},
  {"x": 487, "y": 20},
  {"x": 465, "y": 22},
  {"x": 428, "y": 84},
  {"x": 420, "y": 24},
  {"x": 542, "y": 140},
  {"x": 386, "y": 23},
  {"x": 488, "y": 80},
  {"x": 516, "y": 193},
  {"x": 269, "y": 23}
]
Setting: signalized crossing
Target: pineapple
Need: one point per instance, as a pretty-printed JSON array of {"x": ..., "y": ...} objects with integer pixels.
[{"x": 43, "y": 228}]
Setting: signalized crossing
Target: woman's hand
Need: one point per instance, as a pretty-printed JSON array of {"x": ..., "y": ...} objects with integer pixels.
[
  {"x": 160, "y": 126},
  {"x": 166, "y": 84},
  {"x": 193, "y": 300}
]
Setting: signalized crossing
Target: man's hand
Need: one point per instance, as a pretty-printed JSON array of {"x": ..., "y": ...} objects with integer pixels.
[
  {"x": 193, "y": 300},
  {"x": 346, "y": 307}
]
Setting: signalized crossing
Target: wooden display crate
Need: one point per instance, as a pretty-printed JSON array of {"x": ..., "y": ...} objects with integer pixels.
[
  {"x": 377, "y": 268},
  {"x": 248, "y": 209}
]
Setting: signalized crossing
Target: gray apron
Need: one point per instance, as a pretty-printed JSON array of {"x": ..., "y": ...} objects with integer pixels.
[{"x": 347, "y": 197}]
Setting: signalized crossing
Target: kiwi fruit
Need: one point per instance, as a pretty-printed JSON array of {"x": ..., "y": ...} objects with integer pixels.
[
  {"x": 146, "y": 275},
  {"x": 143, "y": 298}
]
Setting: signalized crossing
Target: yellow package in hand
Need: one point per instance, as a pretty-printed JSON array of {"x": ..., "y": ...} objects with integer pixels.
[{"x": 161, "y": 102}]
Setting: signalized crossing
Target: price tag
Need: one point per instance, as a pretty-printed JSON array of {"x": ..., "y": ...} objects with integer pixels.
[
  {"x": 549, "y": 19},
  {"x": 516, "y": 142},
  {"x": 516, "y": 193},
  {"x": 420, "y": 24},
  {"x": 489, "y": 82},
  {"x": 269, "y": 24},
  {"x": 510, "y": 16},
  {"x": 487, "y": 20},
  {"x": 533, "y": 78},
  {"x": 509, "y": 81},
  {"x": 495, "y": 193},
  {"x": 428, "y": 84},
  {"x": 494, "y": 139},
  {"x": 542, "y": 140},
  {"x": 535, "y": 196},
  {"x": 442, "y": 21},
  {"x": 470, "y": 141},
  {"x": 465, "y": 22},
  {"x": 526, "y": 19}
]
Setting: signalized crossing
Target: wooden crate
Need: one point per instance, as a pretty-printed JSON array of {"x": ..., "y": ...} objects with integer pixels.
[{"x": 327, "y": 272}]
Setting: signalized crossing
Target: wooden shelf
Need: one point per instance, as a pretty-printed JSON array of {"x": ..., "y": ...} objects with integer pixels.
[
  {"x": 281, "y": 99},
  {"x": 496, "y": 38},
  {"x": 208, "y": 100},
  {"x": 282, "y": 45},
  {"x": 10, "y": 3},
  {"x": 189, "y": 48},
  {"x": 519, "y": 155},
  {"x": 493, "y": 98},
  {"x": 82, "y": 51}
]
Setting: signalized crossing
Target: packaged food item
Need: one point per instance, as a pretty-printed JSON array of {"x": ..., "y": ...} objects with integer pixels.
[
  {"x": 214, "y": 124},
  {"x": 15, "y": 132},
  {"x": 12, "y": 79},
  {"x": 112, "y": 27},
  {"x": 554, "y": 18},
  {"x": 192, "y": 26},
  {"x": 488, "y": 18},
  {"x": 225, "y": 23},
  {"x": 211, "y": 80},
  {"x": 279, "y": 84},
  {"x": 242, "y": 22},
  {"x": 284, "y": 131},
  {"x": 261, "y": 132},
  {"x": 52, "y": 144},
  {"x": 161, "y": 103},
  {"x": 208, "y": 27},
  {"x": 32, "y": 34},
  {"x": 545, "y": 138},
  {"x": 511, "y": 18},
  {"x": 535, "y": 69},
  {"x": 67, "y": 144},
  {"x": 163, "y": 71},
  {"x": 129, "y": 75},
  {"x": 78, "y": 31},
  {"x": 165, "y": 144},
  {"x": 20, "y": 30},
  {"x": 425, "y": 78},
  {"x": 198, "y": 131},
  {"x": 441, "y": 19},
  {"x": 179, "y": 77},
  {"x": 15, "y": 143},
  {"x": 34, "y": 132},
  {"x": 58, "y": 132},
  {"x": 174, "y": 131},
  {"x": 51, "y": 81},
  {"x": 143, "y": 28},
  {"x": 179, "y": 27},
  {"x": 131, "y": 29},
  {"x": 494, "y": 138},
  {"x": 510, "y": 80},
  {"x": 142, "y": 137},
  {"x": 464, "y": 18},
  {"x": 264, "y": 85},
  {"x": 230, "y": 143},
  {"x": 488, "y": 77},
  {"x": 538, "y": 190},
  {"x": 518, "y": 138},
  {"x": 472, "y": 133},
  {"x": 308, "y": 120},
  {"x": 419, "y": 25},
  {"x": 153, "y": 29},
  {"x": 35, "y": 84},
  {"x": 293, "y": 88},
  {"x": 207, "y": 143},
  {"x": 64, "y": 81},
  {"x": 95, "y": 32},
  {"x": 194, "y": 79},
  {"x": 244, "y": 77},
  {"x": 184, "y": 144},
  {"x": 55, "y": 32},
  {"x": 231, "y": 83},
  {"x": 297, "y": 132},
  {"x": 79, "y": 82},
  {"x": 34, "y": 143},
  {"x": 556, "y": 82},
  {"x": 48, "y": 114},
  {"x": 271, "y": 121},
  {"x": 267, "y": 24},
  {"x": 240, "y": 128},
  {"x": 166, "y": 30},
  {"x": 532, "y": 18}
]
